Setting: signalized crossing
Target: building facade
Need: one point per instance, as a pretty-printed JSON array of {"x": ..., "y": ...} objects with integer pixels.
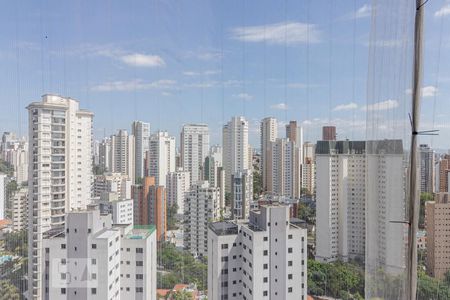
[
  {"x": 353, "y": 181},
  {"x": 269, "y": 133},
  {"x": 161, "y": 156},
  {"x": 178, "y": 184},
  {"x": 194, "y": 144},
  {"x": 93, "y": 259},
  {"x": 141, "y": 132},
  {"x": 235, "y": 148},
  {"x": 200, "y": 208},
  {"x": 241, "y": 194},
  {"x": 122, "y": 154},
  {"x": 264, "y": 258}
]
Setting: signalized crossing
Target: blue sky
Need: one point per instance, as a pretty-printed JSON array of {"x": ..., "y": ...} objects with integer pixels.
[{"x": 175, "y": 62}]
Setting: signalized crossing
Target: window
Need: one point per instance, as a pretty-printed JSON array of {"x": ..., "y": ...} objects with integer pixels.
[
  {"x": 139, "y": 290},
  {"x": 265, "y": 293},
  {"x": 63, "y": 246},
  {"x": 290, "y": 263},
  {"x": 139, "y": 250},
  {"x": 94, "y": 246},
  {"x": 224, "y": 258},
  {"x": 289, "y": 289},
  {"x": 265, "y": 266},
  {"x": 289, "y": 276},
  {"x": 139, "y": 263},
  {"x": 63, "y": 291},
  {"x": 290, "y": 237},
  {"x": 289, "y": 250},
  {"x": 139, "y": 276},
  {"x": 93, "y": 291},
  {"x": 265, "y": 279},
  {"x": 265, "y": 252},
  {"x": 224, "y": 246}
]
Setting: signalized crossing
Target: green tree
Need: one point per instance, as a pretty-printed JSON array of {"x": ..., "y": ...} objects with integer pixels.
[
  {"x": 307, "y": 213},
  {"x": 8, "y": 291},
  {"x": 257, "y": 185},
  {"x": 182, "y": 295},
  {"x": 172, "y": 217},
  {"x": 424, "y": 197}
]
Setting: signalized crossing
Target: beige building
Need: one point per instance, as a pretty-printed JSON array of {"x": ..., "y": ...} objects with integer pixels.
[{"x": 437, "y": 222}]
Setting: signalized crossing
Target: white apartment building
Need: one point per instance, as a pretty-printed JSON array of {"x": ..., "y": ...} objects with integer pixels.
[
  {"x": 269, "y": 133},
  {"x": 121, "y": 210},
  {"x": 284, "y": 176},
  {"x": 161, "y": 156},
  {"x": 241, "y": 194},
  {"x": 201, "y": 207},
  {"x": 122, "y": 154},
  {"x": 178, "y": 184},
  {"x": 60, "y": 171},
  {"x": 215, "y": 173},
  {"x": 359, "y": 191},
  {"x": 19, "y": 209},
  {"x": 112, "y": 182},
  {"x": 104, "y": 155},
  {"x": 141, "y": 132},
  {"x": 235, "y": 148},
  {"x": 264, "y": 258},
  {"x": 194, "y": 149},
  {"x": 93, "y": 259}
]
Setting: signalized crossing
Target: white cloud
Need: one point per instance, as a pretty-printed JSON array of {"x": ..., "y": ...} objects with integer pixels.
[
  {"x": 195, "y": 73},
  {"x": 244, "y": 96},
  {"x": 443, "y": 11},
  {"x": 348, "y": 106},
  {"x": 363, "y": 12},
  {"x": 143, "y": 60},
  {"x": 138, "y": 84},
  {"x": 279, "y": 106},
  {"x": 278, "y": 33},
  {"x": 427, "y": 91},
  {"x": 383, "y": 105}
]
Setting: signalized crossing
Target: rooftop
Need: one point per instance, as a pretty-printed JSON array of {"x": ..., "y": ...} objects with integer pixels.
[
  {"x": 140, "y": 232},
  {"x": 224, "y": 228}
]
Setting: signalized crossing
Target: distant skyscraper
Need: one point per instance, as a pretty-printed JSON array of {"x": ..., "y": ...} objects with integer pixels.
[
  {"x": 269, "y": 133},
  {"x": 241, "y": 194},
  {"x": 104, "y": 155},
  {"x": 329, "y": 133},
  {"x": 112, "y": 182},
  {"x": 284, "y": 176},
  {"x": 215, "y": 173},
  {"x": 84, "y": 259},
  {"x": 178, "y": 184},
  {"x": 437, "y": 227},
  {"x": 235, "y": 148},
  {"x": 141, "y": 132},
  {"x": 309, "y": 168},
  {"x": 194, "y": 149},
  {"x": 201, "y": 206},
  {"x": 60, "y": 172},
  {"x": 268, "y": 254},
  {"x": 442, "y": 174},
  {"x": 161, "y": 156},
  {"x": 122, "y": 154},
  {"x": 426, "y": 169},
  {"x": 351, "y": 206},
  {"x": 19, "y": 209}
]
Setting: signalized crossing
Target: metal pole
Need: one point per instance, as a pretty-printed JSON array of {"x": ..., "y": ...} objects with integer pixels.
[{"x": 411, "y": 284}]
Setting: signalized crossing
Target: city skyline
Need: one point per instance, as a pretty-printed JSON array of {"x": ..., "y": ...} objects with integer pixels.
[{"x": 223, "y": 67}]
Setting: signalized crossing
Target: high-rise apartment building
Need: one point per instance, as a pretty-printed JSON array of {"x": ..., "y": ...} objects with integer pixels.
[
  {"x": 120, "y": 209},
  {"x": 215, "y": 173},
  {"x": 360, "y": 189},
  {"x": 161, "y": 156},
  {"x": 112, "y": 183},
  {"x": 19, "y": 209},
  {"x": 284, "y": 176},
  {"x": 104, "y": 155},
  {"x": 177, "y": 185},
  {"x": 241, "y": 194},
  {"x": 122, "y": 154},
  {"x": 264, "y": 258},
  {"x": 235, "y": 148},
  {"x": 442, "y": 172},
  {"x": 152, "y": 206},
  {"x": 60, "y": 172},
  {"x": 201, "y": 206},
  {"x": 437, "y": 225},
  {"x": 141, "y": 132},
  {"x": 329, "y": 133},
  {"x": 295, "y": 133},
  {"x": 194, "y": 149},
  {"x": 427, "y": 161},
  {"x": 93, "y": 259}
]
